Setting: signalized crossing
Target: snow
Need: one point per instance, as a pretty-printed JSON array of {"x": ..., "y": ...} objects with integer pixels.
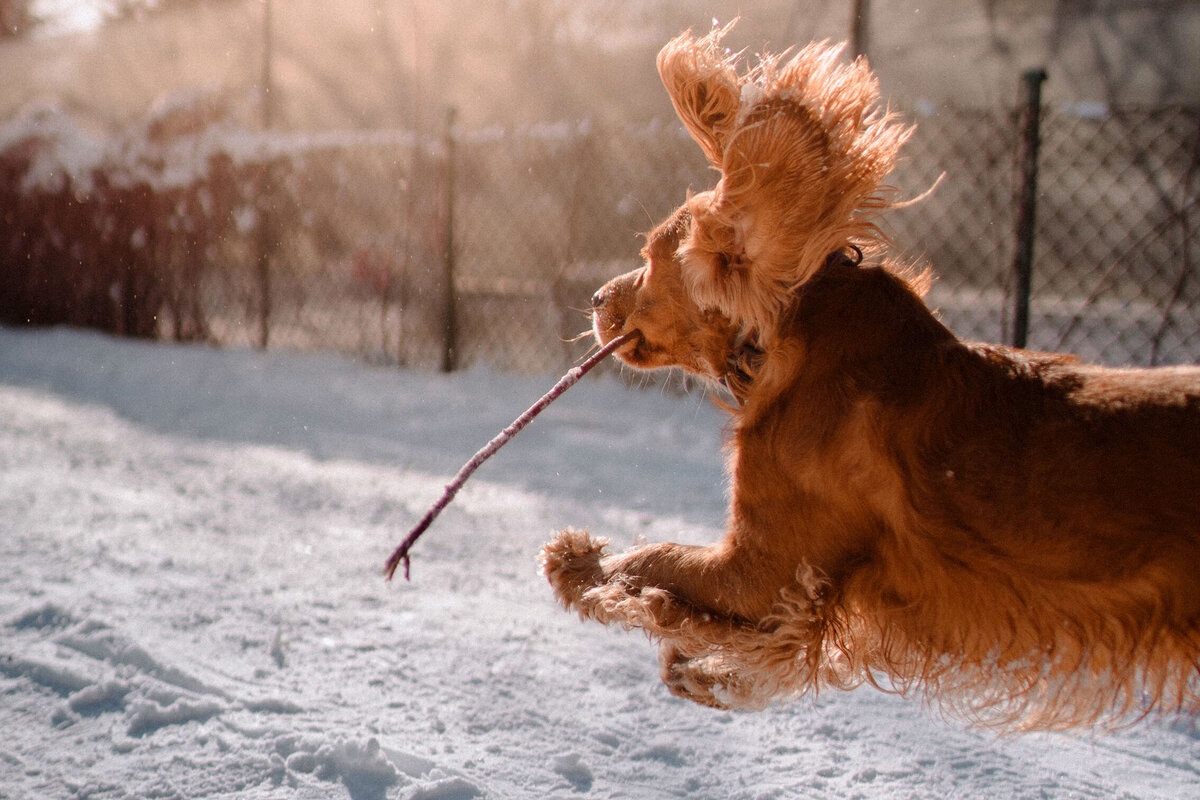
[
  {"x": 67, "y": 155},
  {"x": 191, "y": 600},
  {"x": 70, "y": 155}
]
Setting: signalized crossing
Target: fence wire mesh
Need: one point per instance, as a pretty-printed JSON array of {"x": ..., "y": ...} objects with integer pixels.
[
  {"x": 484, "y": 247},
  {"x": 963, "y": 229},
  {"x": 545, "y": 217},
  {"x": 1117, "y": 237}
]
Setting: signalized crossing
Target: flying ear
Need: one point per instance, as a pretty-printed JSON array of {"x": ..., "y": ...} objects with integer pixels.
[
  {"x": 702, "y": 82},
  {"x": 802, "y": 149}
]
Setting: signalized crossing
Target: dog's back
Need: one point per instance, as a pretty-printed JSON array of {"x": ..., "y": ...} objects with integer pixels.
[{"x": 1004, "y": 503}]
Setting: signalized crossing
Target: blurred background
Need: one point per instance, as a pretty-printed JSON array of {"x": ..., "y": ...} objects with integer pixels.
[{"x": 441, "y": 184}]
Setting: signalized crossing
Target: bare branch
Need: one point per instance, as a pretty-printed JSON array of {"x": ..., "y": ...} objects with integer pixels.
[{"x": 401, "y": 554}]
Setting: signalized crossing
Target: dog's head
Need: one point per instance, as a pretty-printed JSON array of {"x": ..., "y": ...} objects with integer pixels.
[
  {"x": 802, "y": 150},
  {"x": 674, "y": 330}
]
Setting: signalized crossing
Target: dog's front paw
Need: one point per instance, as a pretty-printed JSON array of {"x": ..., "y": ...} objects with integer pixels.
[
  {"x": 571, "y": 562},
  {"x": 692, "y": 678}
]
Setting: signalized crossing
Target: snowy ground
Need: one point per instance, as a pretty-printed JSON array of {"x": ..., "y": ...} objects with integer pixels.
[{"x": 191, "y": 602}]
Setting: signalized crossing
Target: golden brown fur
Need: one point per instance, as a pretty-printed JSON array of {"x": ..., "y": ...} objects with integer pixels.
[{"x": 1017, "y": 535}]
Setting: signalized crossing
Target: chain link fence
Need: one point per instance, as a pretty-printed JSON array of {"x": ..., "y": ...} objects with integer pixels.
[
  {"x": 545, "y": 216},
  {"x": 1117, "y": 244},
  {"x": 1115, "y": 241},
  {"x": 483, "y": 247}
]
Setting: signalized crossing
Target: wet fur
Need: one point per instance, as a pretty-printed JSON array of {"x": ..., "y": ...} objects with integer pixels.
[{"x": 1015, "y": 535}]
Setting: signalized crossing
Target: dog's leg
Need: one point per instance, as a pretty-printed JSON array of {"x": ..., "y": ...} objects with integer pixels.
[
  {"x": 712, "y": 651},
  {"x": 698, "y": 583}
]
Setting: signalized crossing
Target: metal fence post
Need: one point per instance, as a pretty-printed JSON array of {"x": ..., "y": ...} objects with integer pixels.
[
  {"x": 860, "y": 26},
  {"x": 1025, "y": 199},
  {"x": 449, "y": 320},
  {"x": 265, "y": 233},
  {"x": 264, "y": 243}
]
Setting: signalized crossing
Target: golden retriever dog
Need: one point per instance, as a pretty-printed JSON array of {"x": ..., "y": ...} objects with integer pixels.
[{"x": 1013, "y": 535}]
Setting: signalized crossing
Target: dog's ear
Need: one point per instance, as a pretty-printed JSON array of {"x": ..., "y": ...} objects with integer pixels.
[
  {"x": 802, "y": 149},
  {"x": 703, "y": 85}
]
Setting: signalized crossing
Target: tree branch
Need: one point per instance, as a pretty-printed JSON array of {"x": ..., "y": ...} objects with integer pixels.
[{"x": 401, "y": 554}]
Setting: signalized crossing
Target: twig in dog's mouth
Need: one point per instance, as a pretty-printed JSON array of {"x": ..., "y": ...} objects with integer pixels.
[{"x": 401, "y": 553}]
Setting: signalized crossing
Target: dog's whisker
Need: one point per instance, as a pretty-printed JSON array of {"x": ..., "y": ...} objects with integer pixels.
[{"x": 578, "y": 337}]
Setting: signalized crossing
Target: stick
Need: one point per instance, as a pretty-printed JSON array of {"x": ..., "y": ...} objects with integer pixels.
[{"x": 400, "y": 555}]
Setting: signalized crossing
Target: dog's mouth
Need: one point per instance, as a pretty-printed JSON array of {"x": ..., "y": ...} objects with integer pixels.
[
  {"x": 632, "y": 352},
  {"x": 607, "y": 330}
]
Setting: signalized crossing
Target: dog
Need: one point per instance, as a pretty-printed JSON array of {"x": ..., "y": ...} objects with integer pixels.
[{"x": 1014, "y": 536}]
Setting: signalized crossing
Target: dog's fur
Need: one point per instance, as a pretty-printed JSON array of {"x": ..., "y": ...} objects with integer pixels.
[{"x": 1015, "y": 534}]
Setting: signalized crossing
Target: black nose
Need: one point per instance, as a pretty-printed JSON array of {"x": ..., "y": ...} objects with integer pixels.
[{"x": 598, "y": 298}]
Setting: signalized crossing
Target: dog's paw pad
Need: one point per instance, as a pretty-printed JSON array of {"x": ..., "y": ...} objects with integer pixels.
[{"x": 571, "y": 562}]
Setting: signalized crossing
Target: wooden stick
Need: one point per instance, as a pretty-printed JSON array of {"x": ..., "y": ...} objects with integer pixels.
[{"x": 400, "y": 555}]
